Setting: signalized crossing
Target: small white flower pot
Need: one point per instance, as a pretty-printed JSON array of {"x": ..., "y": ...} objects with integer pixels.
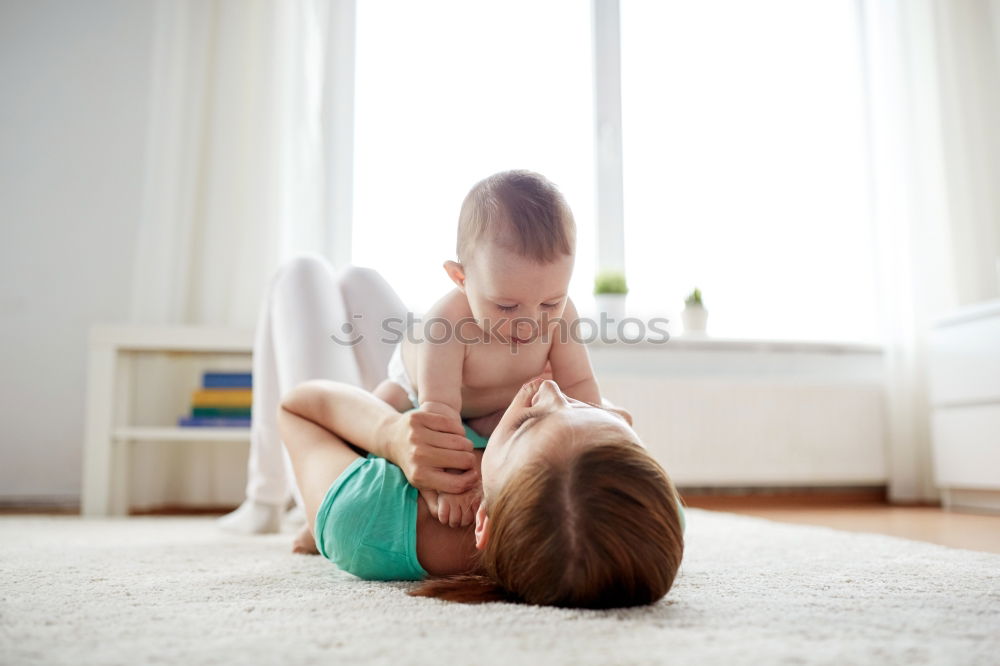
[
  {"x": 695, "y": 320},
  {"x": 613, "y": 305}
]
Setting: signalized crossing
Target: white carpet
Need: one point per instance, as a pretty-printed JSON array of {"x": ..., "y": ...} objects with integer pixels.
[{"x": 177, "y": 591}]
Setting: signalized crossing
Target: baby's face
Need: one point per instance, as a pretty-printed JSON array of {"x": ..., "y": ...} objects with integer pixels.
[{"x": 513, "y": 296}]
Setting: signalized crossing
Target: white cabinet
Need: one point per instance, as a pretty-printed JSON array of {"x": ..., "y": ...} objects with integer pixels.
[
  {"x": 115, "y": 352},
  {"x": 965, "y": 396}
]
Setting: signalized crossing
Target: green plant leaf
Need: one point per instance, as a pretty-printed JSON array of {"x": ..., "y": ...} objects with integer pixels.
[
  {"x": 694, "y": 300},
  {"x": 610, "y": 282}
]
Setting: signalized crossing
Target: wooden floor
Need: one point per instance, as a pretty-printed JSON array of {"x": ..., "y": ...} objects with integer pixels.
[{"x": 921, "y": 523}]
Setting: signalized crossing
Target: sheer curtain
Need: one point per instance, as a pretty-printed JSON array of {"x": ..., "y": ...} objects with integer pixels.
[
  {"x": 239, "y": 167},
  {"x": 236, "y": 155},
  {"x": 935, "y": 96}
]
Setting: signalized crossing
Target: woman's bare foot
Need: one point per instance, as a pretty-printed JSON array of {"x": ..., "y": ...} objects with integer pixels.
[{"x": 304, "y": 543}]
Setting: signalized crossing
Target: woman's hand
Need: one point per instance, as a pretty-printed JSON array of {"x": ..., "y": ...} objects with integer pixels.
[{"x": 425, "y": 444}]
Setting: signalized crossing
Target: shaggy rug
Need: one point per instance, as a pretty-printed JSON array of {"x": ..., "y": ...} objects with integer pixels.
[{"x": 177, "y": 591}]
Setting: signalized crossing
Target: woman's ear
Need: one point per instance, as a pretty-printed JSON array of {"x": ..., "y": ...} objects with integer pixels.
[
  {"x": 456, "y": 272},
  {"x": 482, "y": 528}
]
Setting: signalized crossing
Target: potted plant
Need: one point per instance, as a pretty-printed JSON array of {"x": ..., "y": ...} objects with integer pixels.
[
  {"x": 695, "y": 315},
  {"x": 610, "y": 289}
]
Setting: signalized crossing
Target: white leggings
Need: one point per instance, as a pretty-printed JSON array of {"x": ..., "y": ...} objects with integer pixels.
[{"x": 305, "y": 304}]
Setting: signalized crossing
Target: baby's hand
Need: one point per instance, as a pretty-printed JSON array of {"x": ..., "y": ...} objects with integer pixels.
[
  {"x": 458, "y": 510},
  {"x": 624, "y": 413},
  {"x": 431, "y": 497}
]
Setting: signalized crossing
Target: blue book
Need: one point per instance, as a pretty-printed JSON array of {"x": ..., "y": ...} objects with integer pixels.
[
  {"x": 227, "y": 380},
  {"x": 212, "y": 422}
]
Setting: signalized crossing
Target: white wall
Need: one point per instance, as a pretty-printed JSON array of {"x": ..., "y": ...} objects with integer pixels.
[{"x": 73, "y": 110}]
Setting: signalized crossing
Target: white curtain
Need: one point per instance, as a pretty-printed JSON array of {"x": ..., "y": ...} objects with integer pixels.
[
  {"x": 246, "y": 132},
  {"x": 237, "y": 158},
  {"x": 935, "y": 99}
]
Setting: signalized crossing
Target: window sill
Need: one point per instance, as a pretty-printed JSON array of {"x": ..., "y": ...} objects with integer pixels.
[{"x": 692, "y": 343}]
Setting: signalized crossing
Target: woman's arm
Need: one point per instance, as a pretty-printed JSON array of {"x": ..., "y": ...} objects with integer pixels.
[{"x": 423, "y": 444}]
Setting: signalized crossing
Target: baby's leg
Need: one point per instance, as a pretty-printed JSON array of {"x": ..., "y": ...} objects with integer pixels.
[{"x": 393, "y": 394}]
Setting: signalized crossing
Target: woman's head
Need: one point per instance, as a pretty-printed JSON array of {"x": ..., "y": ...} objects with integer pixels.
[{"x": 575, "y": 512}]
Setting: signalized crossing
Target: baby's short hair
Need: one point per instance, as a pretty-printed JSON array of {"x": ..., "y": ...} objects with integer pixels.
[{"x": 522, "y": 210}]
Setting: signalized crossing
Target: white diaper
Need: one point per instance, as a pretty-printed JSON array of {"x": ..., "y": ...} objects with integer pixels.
[{"x": 397, "y": 373}]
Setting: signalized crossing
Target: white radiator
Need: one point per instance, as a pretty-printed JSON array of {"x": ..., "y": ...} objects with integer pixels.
[{"x": 718, "y": 419}]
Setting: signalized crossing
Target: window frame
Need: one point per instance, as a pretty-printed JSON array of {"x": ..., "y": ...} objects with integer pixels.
[{"x": 609, "y": 179}]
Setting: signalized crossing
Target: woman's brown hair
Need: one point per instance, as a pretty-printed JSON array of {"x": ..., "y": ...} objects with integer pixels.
[{"x": 598, "y": 529}]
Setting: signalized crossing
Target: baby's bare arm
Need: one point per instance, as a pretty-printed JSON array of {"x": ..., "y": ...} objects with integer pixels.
[
  {"x": 440, "y": 357},
  {"x": 440, "y": 360},
  {"x": 570, "y": 362},
  {"x": 392, "y": 393}
]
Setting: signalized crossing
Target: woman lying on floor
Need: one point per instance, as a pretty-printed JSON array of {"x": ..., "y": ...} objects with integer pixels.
[{"x": 574, "y": 513}]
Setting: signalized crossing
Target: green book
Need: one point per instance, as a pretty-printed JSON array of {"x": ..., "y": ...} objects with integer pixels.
[{"x": 221, "y": 412}]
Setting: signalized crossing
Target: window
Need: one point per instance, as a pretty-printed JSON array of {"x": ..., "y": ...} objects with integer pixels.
[
  {"x": 744, "y": 149},
  {"x": 448, "y": 92},
  {"x": 745, "y": 165}
]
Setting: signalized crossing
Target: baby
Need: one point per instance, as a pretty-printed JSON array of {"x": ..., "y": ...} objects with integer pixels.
[{"x": 508, "y": 320}]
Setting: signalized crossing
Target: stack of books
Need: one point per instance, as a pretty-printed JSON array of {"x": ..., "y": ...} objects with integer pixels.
[{"x": 223, "y": 401}]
